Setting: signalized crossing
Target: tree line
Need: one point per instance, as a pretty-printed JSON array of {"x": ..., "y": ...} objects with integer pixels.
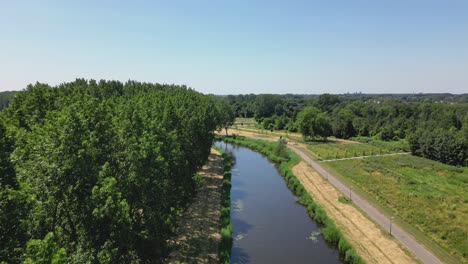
[
  {"x": 434, "y": 126},
  {"x": 98, "y": 172}
]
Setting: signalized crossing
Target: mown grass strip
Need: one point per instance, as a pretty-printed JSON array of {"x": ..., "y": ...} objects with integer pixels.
[
  {"x": 285, "y": 159},
  {"x": 224, "y": 251}
]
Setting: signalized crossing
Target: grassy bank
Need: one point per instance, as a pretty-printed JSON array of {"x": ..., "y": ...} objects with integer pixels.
[
  {"x": 285, "y": 159},
  {"x": 225, "y": 245},
  {"x": 428, "y": 195}
]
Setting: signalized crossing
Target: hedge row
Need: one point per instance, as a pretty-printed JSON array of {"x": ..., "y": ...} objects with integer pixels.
[
  {"x": 225, "y": 245},
  {"x": 284, "y": 163}
]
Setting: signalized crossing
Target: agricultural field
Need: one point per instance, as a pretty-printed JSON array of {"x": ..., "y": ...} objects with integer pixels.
[
  {"x": 336, "y": 149},
  {"x": 429, "y": 195}
]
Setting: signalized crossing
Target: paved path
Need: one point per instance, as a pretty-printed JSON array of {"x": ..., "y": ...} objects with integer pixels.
[
  {"x": 368, "y": 156},
  {"x": 408, "y": 241}
]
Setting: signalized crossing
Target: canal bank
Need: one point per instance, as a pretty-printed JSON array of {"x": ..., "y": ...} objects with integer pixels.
[{"x": 269, "y": 225}]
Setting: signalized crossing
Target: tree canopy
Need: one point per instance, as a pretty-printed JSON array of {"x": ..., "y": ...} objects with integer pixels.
[{"x": 98, "y": 172}]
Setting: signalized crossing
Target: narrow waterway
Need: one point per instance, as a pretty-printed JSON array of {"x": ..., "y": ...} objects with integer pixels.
[{"x": 269, "y": 226}]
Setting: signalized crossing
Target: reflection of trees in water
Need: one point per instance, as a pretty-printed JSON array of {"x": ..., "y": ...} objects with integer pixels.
[{"x": 228, "y": 148}]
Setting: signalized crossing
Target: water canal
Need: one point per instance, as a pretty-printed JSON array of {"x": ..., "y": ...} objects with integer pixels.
[{"x": 268, "y": 225}]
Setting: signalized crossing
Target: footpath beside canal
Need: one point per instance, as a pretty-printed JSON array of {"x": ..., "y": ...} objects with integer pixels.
[{"x": 198, "y": 237}]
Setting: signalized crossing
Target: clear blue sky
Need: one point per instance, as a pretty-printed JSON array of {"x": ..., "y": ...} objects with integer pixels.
[{"x": 232, "y": 47}]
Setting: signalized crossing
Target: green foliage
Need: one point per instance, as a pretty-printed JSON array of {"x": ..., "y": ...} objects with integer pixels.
[
  {"x": 329, "y": 229},
  {"x": 450, "y": 147},
  {"x": 14, "y": 206},
  {"x": 226, "y": 115},
  {"x": 5, "y": 98},
  {"x": 384, "y": 118},
  {"x": 104, "y": 166},
  {"x": 342, "y": 123},
  {"x": 224, "y": 251},
  {"x": 45, "y": 251},
  {"x": 312, "y": 123},
  {"x": 344, "y": 200}
]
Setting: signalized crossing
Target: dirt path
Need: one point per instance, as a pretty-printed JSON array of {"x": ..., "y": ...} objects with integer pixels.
[
  {"x": 198, "y": 235},
  {"x": 367, "y": 228}
]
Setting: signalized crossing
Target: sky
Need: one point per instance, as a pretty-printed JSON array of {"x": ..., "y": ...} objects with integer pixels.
[{"x": 238, "y": 47}]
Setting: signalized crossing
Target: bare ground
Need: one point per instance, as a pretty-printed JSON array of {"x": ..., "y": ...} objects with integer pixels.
[{"x": 198, "y": 235}]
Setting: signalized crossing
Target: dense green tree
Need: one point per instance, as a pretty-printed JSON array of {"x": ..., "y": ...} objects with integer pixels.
[
  {"x": 226, "y": 114},
  {"x": 327, "y": 102},
  {"x": 266, "y": 105},
  {"x": 342, "y": 124},
  {"x": 312, "y": 123},
  {"x": 45, "y": 251},
  {"x": 98, "y": 172},
  {"x": 13, "y": 205}
]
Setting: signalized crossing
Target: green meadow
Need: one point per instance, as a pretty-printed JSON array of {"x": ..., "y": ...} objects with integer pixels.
[
  {"x": 431, "y": 196},
  {"x": 336, "y": 149}
]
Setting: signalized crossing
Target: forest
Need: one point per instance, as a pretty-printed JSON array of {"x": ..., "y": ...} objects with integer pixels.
[
  {"x": 99, "y": 172},
  {"x": 433, "y": 126}
]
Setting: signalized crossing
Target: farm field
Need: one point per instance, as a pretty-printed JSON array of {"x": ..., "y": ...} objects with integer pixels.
[{"x": 428, "y": 195}]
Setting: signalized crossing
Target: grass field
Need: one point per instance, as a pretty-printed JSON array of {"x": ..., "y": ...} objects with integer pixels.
[
  {"x": 400, "y": 145},
  {"x": 429, "y": 195},
  {"x": 335, "y": 149},
  {"x": 240, "y": 121}
]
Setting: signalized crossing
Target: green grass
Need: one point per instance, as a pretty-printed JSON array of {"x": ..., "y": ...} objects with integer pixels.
[
  {"x": 344, "y": 200},
  {"x": 284, "y": 159},
  {"x": 245, "y": 122},
  {"x": 400, "y": 145},
  {"x": 336, "y": 149},
  {"x": 430, "y": 196}
]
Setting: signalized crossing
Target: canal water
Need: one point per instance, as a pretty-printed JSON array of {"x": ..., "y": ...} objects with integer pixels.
[{"x": 269, "y": 226}]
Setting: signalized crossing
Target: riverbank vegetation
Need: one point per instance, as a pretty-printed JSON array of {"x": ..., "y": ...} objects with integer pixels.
[
  {"x": 285, "y": 159},
  {"x": 426, "y": 194},
  {"x": 98, "y": 172},
  {"x": 225, "y": 245}
]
